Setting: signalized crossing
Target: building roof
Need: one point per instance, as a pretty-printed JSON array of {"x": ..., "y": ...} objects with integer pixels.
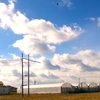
[
  {"x": 44, "y": 85},
  {"x": 1, "y": 83}
]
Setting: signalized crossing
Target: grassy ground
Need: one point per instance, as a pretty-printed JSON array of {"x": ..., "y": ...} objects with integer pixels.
[{"x": 83, "y": 96}]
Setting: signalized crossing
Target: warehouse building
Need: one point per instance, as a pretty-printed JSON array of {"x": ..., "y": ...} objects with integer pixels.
[{"x": 47, "y": 88}]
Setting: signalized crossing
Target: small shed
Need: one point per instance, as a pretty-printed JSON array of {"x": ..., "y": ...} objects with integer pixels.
[
  {"x": 47, "y": 88},
  {"x": 4, "y": 90}
]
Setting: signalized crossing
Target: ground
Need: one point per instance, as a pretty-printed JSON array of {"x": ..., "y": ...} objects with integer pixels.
[{"x": 81, "y": 96}]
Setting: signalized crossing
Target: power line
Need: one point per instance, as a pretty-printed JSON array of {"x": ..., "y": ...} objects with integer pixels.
[{"x": 7, "y": 62}]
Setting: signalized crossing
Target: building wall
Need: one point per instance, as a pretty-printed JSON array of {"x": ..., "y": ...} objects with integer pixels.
[
  {"x": 43, "y": 90},
  {"x": 47, "y": 88},
  {"x": 61, "y": 88},
  {"x": 4, "y": 90}
]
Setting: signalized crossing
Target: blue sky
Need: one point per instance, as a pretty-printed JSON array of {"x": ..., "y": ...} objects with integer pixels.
[{"x": 62, "y": 34}]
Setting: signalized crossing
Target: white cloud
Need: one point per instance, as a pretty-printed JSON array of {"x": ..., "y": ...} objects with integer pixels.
[
  {"x": 99, "y": 21},
  {"x": 39, "y": 38},
  {"x": 33, "y": 46},
  {"x": 41, "y": 33},
  {"x": 49, "y": 76},
  {"x": 46, "y": 64},
  {"x": 12, "y": 1},
  {"x": 68, "y": 68},
  {"x": 82, "y": 61},
  {"x": 20, "y": 24},
  {"x": 92, "y": 18},
  {"x": 14, "y": 56},
  {"x": 90, "y": 58},
  {"x": 66, "y": 2}
]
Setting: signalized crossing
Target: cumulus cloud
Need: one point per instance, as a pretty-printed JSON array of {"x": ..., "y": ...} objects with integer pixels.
[
  {"x": 46, "y": 64},
  {"x": 20, "y": 24},
  {"x": 39, "y": 34},
  {"x": 40, "y": 37},
  {"x": 90, "y": 57},
  {"x": 49, "y": 76},
  {"x": 66, "y": 67},
  {"x": 33, "y": 46},
  {"x": 40, "y": 43},
  {"x": 82, "y": 61},
  {"x": 16, "y": 73}
]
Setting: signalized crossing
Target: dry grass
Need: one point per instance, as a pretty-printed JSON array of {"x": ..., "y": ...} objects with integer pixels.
[{"x": 83, "y": 96}]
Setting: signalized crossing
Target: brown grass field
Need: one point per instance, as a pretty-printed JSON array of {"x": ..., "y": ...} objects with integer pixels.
[{"x": 81, "y": 96}]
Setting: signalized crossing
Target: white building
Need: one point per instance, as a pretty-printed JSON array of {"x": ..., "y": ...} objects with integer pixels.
[
  {"x": 47, "y": 88},
  {"x": 3, "y": 90}
]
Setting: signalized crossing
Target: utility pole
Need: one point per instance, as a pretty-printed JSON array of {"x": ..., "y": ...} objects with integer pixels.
[
  {"x": 22, "y": 76},
  {"x": 28, "y": 76},
  {"x": 79, "y": 82},
  {"x": 28, "y": 73}
]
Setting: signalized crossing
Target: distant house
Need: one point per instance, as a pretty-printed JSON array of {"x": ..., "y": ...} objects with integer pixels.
[
  {"x": 3, "y": 90},
  {"x": 11, "y": 88},
  {"x": 6, "y": 89}
]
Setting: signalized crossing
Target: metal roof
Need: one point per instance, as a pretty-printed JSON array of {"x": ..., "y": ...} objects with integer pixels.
[{"x": 44, "y": 85}]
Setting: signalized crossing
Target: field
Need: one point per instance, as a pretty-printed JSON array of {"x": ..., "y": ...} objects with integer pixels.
[{"x": 83, "y": 96}]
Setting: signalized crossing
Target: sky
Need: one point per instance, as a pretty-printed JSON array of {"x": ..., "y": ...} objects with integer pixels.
[{"x": 63, "y": 35}]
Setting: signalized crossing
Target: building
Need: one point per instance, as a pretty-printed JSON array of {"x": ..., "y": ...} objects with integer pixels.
[
  {"x": 6, "y": 89},
  {"x": 3, "y": 90},
  {"x": 11, "y": 88},
  {"x": 83, "y": 87},
  {"x": 93, "y": 87},
  {"x": 47, "y": 88}
]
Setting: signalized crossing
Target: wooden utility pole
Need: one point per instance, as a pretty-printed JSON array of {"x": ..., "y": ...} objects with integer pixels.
[
  {"x": 22, "y": 76},
  {"x": 28, "y": 76}
]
